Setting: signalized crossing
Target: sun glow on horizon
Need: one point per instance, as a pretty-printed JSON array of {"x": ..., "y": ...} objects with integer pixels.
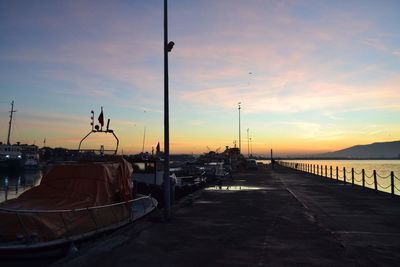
[{"x": 312, "y": 77}]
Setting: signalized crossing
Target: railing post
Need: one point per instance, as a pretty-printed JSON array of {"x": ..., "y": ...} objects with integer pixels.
[
  {"x": 326, "y": 171},
  {"x": 337, "y": 173},
  {"x": 352, "y": 176},
  {"x": 344, "y": 175},
  {"x": 375, "y": 182},
  {"x": 330, "y": 168},
  {"x": 363, "y": 177},
  {"x": 317, "y": 169},
  {"x": 392, "y": 182}
]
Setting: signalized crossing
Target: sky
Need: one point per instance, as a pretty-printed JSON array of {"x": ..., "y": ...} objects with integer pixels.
[{"x": 312, "y": 76}]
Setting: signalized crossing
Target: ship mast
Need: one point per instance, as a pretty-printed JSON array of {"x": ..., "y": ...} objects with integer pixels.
[{"x": 9, "y": 124}]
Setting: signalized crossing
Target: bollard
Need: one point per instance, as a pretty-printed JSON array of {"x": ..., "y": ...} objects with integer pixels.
[
  {"x": 375, "y": 183},
  {"x": 352, "y": 176},
  {"x": 392, "y": 182},
  {"x": 363, "y": 178},
  {"x": 330, "y": 168},
  {"x": 344, "y": 175}
]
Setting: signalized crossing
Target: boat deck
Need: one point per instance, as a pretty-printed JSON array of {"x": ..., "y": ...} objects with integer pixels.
[{"x": 267, "y": 217}]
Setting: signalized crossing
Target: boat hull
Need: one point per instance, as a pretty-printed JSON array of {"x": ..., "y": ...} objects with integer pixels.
[{"x": 142, "y": 206}]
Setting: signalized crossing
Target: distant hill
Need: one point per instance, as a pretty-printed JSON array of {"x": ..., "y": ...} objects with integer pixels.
[{"x": 371, "y": 151}]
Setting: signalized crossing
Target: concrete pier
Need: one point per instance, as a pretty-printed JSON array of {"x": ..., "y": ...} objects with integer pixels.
[{"x": 283, "y": 218}]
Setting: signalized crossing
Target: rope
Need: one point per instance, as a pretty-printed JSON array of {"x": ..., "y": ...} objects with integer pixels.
[
  {"x": 358, "y": 181},
  {"x": 369, "y": 176},
  {"x": 369, "y": 183},
  {"x": 348, "y": 171},
  {"x": 383, "y": 187},
  {"x": 397, "y": 178},
  {"x": 396, "y": 188},
  {"x": 358, "y": 173},
  {"x": 383, "y": 177}
]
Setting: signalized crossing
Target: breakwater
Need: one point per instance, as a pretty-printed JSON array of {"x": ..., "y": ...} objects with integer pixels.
[{"x": 373, "y": 177}]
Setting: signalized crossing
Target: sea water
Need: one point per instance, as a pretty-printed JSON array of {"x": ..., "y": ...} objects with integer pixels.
[
  {"x": 383, "y": 170},
  {"x": 14, "y": 183}
]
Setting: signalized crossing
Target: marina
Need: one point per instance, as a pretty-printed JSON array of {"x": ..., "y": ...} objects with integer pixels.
[
  {"x": 244, "y": 133},
  {"x": 280, "y": 217}
]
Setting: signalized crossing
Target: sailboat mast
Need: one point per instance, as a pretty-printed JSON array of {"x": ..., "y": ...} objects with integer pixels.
[
  {"x": 10, "y": 123},
  {"x": 144, "y": 138}
]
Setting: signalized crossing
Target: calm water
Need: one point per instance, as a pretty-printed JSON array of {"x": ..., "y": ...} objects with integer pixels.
[
  {"x": 382, "y": 167},
  {"x": 12, "y": 184}
]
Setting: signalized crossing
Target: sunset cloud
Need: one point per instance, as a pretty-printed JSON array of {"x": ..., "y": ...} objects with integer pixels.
[{"x": 303, "y": 67}]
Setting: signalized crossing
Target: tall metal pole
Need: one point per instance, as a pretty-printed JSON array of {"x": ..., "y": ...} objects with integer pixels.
[
  {"x": 10, "y": 122},
  {"x": 240, "y": 140},
  {"x": 167, "y": 183},
  {"x": 144, "y": 138},
  {"x": 248, "y": 143},
  {"x": 251, "y": 148}
]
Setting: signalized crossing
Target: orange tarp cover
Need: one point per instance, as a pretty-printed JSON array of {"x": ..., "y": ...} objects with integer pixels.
[{"x": 70, "y": 186}]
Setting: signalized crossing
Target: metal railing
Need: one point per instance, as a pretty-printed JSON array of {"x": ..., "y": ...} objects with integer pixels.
[{"x": 374, "y": 180}]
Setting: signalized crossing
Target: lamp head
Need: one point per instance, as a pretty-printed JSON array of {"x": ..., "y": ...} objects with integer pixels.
[{"x": 170, "y": 45}]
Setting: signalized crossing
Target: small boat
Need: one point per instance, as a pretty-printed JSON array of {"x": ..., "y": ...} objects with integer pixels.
[
  {"x": 10, "y": 157},
  {"x": 188, "y": 179},
  {"x": 74, "y": 201},
  {"x": 148, "y": 177},
  {"x": 17, "y": 156},
  {"x": 215, "y": 170}
]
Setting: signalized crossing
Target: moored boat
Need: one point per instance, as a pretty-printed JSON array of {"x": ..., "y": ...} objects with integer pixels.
[{"x": 73, "y": 202}]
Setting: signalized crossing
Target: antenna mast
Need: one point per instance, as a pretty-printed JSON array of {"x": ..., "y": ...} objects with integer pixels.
[
  {"x": 144, "y": 138},
  {"x": 9, "y": 124}
]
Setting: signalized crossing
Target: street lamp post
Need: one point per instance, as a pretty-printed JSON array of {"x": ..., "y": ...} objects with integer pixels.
[
  {"x": 248, "y": 143},
  {"x": 240, "y": 140},
  {"x": 166, "y": 180}
]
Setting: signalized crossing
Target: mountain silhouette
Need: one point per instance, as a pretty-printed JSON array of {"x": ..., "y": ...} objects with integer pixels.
[{"x": 379, "y": 150}]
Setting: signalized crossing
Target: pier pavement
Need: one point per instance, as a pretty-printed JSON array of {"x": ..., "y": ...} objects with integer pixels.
[{"x": 284, "y": 218}]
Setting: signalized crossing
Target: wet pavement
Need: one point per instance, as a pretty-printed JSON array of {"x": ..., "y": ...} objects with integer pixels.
[{"x": 279, "y": 217}]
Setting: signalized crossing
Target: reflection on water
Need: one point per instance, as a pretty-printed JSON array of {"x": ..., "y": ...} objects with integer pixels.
[
  {"x": 13, "y": 183},
  {"x": 383, "y": 169},
  {"x": 233, "y": 188}
]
